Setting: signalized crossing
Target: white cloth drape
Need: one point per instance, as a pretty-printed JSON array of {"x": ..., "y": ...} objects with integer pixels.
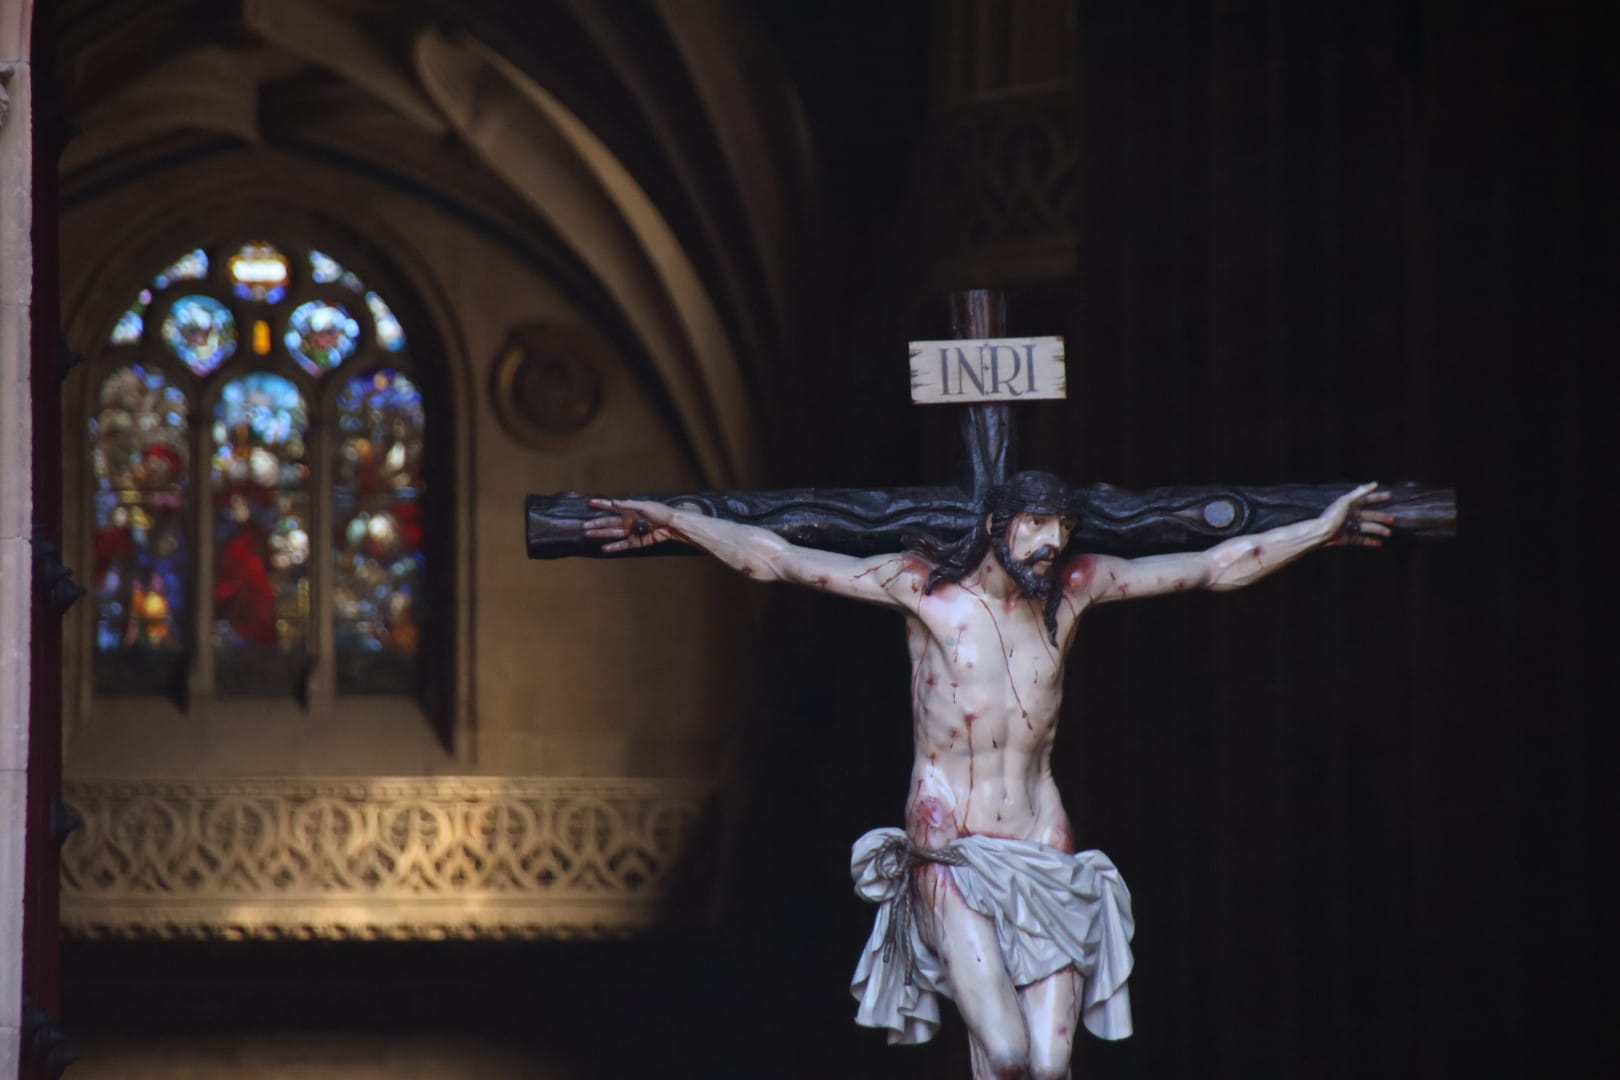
[{"x": 1050, "y": 910}]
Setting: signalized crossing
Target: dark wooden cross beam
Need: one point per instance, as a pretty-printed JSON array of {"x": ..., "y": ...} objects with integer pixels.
[{"x": 864, "y": 521}]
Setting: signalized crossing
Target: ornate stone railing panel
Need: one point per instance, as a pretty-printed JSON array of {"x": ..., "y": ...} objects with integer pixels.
[{"x": 405, "y": 858}]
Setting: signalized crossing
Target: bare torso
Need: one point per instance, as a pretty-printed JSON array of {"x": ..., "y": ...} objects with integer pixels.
[{"x": 986, "y": 686}]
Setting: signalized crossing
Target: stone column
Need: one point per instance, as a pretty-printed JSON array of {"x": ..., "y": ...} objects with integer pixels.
[{"x": 16, "y": 506}]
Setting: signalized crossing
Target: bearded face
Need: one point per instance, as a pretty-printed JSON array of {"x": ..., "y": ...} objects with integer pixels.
[{"x": 1028, "y": 547}]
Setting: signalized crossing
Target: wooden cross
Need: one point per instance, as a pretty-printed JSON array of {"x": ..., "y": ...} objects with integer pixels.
[{"x": 982, "y": 366}]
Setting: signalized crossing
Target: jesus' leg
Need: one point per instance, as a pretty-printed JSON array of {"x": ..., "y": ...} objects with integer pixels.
[
  {"x": 1051, "y": 1012},
  {"x": 979, "y": 983}
]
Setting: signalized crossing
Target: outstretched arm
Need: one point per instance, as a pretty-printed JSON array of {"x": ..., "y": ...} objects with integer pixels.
[
  {"x": 891, "y": 580},
  {"x": 1236, "y": 562}
]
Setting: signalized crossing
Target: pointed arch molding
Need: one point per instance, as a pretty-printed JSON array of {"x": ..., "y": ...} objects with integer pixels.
[
  {"x": 570, "y": 176},
  {"x": 762, "y": 136},
  {"x": 309, "y": 29},
  {"x": 761, "y": 127}
]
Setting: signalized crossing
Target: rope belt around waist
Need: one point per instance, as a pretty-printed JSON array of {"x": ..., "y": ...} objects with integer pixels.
[{"x": 895, "y": 861}]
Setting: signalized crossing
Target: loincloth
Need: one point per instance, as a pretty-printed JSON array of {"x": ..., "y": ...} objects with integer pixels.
[{"x": 1051, "y": 911}]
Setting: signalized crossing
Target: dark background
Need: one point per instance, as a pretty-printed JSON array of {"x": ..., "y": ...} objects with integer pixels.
[{"x": 1362, "y": 805}]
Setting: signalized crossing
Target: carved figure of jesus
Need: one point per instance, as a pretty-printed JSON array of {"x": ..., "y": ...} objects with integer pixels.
[{"x": 983, "y": 897}]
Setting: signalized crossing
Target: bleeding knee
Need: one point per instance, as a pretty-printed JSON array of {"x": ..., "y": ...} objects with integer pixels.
[{"x": 1009, "y": 1066}]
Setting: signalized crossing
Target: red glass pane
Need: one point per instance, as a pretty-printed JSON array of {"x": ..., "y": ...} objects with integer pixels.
[
  {"x": 261, "y": 534},
  {"x": 141, "y": 468}
]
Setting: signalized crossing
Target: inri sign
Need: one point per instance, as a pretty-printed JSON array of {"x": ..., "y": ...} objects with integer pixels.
[{"x": 996, "y": 369}]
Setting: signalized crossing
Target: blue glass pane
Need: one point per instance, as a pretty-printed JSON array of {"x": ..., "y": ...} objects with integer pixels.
[
  {"x": 377, "y": 537},
  {"x": 325, "y": 270},
  {"x": 390, "y": 335},
  {"x": 192, "y": 266},
  {"x": 201, "y": 331},
  {"x": 132, "y": 323},
  {"x": 321, "y": 335}
]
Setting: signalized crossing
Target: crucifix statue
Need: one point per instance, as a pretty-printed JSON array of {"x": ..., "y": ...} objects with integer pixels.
[{"x": 983, "y": 896}]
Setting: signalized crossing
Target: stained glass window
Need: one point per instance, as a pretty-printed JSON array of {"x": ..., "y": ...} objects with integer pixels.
[
  {"x": 256, "y": 498},
  {"x": 325, "y": 270},
  {"x": 141, "y": 464},
  {"x": 390, "y": 335},
  {"x": 377, "y": 537},
  {"x": 261, "y": 533},
  {"x": 132, "y": 323},
  {"x": 259, "y": 272},
  {"x": 192, "y": 266},
  {"x": 321, "y": 335},
  {"x": 201, "y": 331}
]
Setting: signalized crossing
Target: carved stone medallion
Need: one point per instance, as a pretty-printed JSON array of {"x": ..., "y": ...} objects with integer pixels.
[{"x": 548, "y": 386}]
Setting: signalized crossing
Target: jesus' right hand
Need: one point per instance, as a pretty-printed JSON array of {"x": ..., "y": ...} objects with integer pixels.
[{"x": 635, "y": 524}]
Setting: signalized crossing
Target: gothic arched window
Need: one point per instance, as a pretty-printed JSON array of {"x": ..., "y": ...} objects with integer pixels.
[{"x": 257, "y": 436}]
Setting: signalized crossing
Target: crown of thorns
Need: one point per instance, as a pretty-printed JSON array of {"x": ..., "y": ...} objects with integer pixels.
[{"x": 1033, "y": 493}]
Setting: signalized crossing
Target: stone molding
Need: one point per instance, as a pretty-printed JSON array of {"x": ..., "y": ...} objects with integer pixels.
[{"x": 372, "y": 858}]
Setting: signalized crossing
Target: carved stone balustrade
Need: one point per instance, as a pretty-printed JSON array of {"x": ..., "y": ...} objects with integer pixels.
[{"x": 372, "y": 858}]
